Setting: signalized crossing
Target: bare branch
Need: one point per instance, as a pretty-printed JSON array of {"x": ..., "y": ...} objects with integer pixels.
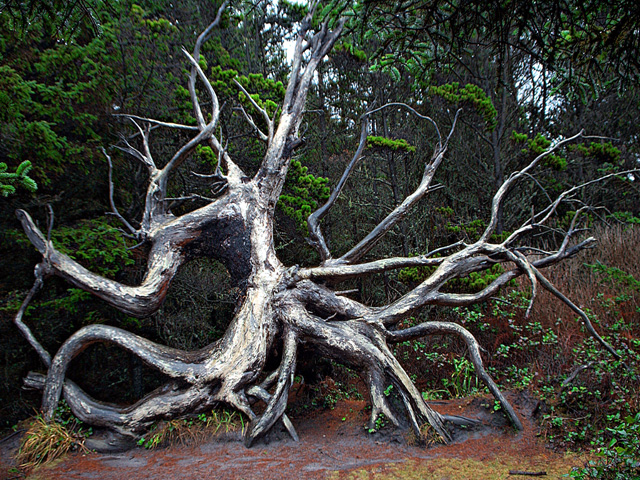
[
  {"x": 134, "y": 152},
  {"x": 145, "y": 140},
  {"x": 459, "y": 264},
  {"x": 397, "y": 214},
  {"x": 195, "y": 69},
  {"x": 313, "y": 222},
  {"x": 262, "y": 111},
  {"x": 514, "y": 178},
  {"x": 114, "y": 210},
  {"x": 215, "y": 109},
  {"x": 585, "y": 319},
  {"x": 541, "y": 217},
  {"x": 139, "y": 301},
  {"x": 339, "y": 272},
  {"x": 159, "y": 123},
  {"x": 41, "y": 270},
  {"x": 412, "y": 110},
  {"x": 263, "y": 136}
]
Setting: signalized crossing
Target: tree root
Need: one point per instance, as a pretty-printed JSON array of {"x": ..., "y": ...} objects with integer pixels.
[
  {"x": 433, "y": 328},
  {"x": 170, "y": 361},
  {"x": 278, "y": 401}
]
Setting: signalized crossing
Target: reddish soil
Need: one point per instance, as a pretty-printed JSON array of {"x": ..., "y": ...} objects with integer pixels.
[{"x": 333, "y": 444}]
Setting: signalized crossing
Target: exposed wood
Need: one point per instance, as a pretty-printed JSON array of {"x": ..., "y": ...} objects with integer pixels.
[{"x": 279, "y": 305}]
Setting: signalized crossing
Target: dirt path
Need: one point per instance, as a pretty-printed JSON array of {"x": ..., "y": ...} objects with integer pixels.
[{"x": 334, "y": 445}]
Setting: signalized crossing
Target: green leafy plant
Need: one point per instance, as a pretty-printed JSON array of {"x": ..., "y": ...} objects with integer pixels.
[
  {"x": 618, "y": 452},
  {"x": 463, "y": 381},
  {"x": 186, "y": 431}
]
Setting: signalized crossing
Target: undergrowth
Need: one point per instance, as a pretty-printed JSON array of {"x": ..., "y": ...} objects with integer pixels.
[
  {"x": 588, "y": 399},
  {"x": 187, "y": 431},
  {"x": 45, "y": 441}
]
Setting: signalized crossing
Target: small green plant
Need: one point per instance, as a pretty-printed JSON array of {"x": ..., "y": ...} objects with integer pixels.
[
  {"x": 186, "y": 431},
  {"x": 463, "y": 381},
  {"x": 618, "y": 452},
  {"x": 381, "y": 422}
]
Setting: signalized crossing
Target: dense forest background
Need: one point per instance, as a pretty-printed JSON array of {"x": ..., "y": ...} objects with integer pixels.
[{"x": 526, "y": 74}]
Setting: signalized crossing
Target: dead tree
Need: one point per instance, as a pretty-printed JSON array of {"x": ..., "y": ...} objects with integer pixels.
[{"x": 279, "y": 304}]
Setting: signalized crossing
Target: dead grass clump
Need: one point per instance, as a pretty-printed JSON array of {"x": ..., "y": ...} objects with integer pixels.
[{"x": 45, "y": 441}]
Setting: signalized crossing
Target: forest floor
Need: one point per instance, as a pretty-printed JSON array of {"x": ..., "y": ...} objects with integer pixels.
[{"x": 334, "y": 445}]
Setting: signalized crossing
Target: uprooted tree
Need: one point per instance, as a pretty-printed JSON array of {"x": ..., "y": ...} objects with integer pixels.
[{"x": 280, "y": 306}]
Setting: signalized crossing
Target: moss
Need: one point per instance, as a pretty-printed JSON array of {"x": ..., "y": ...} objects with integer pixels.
[{"x": 463, "y": 468}]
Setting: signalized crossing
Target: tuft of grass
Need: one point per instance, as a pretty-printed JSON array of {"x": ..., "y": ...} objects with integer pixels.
[
  {"x": 187, "y": 431},
  {"x": 45, "y": 441}
]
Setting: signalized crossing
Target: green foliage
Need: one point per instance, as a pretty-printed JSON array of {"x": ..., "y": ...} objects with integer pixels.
[
  {"x": 538, "y": 145},
  {"x": 9, "y": 180},
  {"x": 205, "y": 155},
  {"x": 477, "y": 281},
  {"x": 616, "y": 277},
  {"x": 95, "y": 243},
  {"x": 187, "y": 430},
  {"x": 626, "y": 217},
  {"x": 46, "y": 441},
  {"x": 350, "y": 49},
  {"x": 618, "y": 452},
  {"x": 603, "y": 152},
  {"x": 469, "y": 94},
  {"x": 395, "y": 145},
  {"x": 303, "y": 194},
  {"x": 413, "y": 275},
  {"x": 463, "y": 381}
]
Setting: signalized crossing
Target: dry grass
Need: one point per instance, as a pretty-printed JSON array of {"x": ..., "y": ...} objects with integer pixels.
[
  {"x": 446, "y": 468},
  {"x": 196, "y": 430},
  {"x": 46, "y": 441},
  {"x": 618, "y": 247}
]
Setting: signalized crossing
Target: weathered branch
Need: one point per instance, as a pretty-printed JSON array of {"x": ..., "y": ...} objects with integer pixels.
[
  {"x": 313, "y": 222},
  {"x": 165, "y": 402},
  {"x": 41, "y": 271},
  {"x": 585, "y": 319},
  {"x": 459, "y": 264},
  {"x": 401, "y": 210},
  {"x": 114, "y": 209},
  {"x": 500, "y": 195},
  {"x": 262, "y": 111},
  {"x": 341, "y": 272},
  {"x": 435, "y": 328},
  {"x": 142, "y": 300},
  {"x": 170, "y": 361},
  {"x": 159, "y": 123},
  {"x": 278, "y": 402}
]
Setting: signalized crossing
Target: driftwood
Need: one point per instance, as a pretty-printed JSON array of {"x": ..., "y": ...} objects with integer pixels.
[{"x": 279, "y": 303}]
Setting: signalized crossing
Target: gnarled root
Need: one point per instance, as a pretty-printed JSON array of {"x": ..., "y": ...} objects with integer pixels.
[
  {"x": 168, "y": 401},
  {"x": 170, "y": 361},
  {"x": 278, "y": 401},
  {"x": 434, "y": 328},
  {"x": 363, "y": 346}
]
